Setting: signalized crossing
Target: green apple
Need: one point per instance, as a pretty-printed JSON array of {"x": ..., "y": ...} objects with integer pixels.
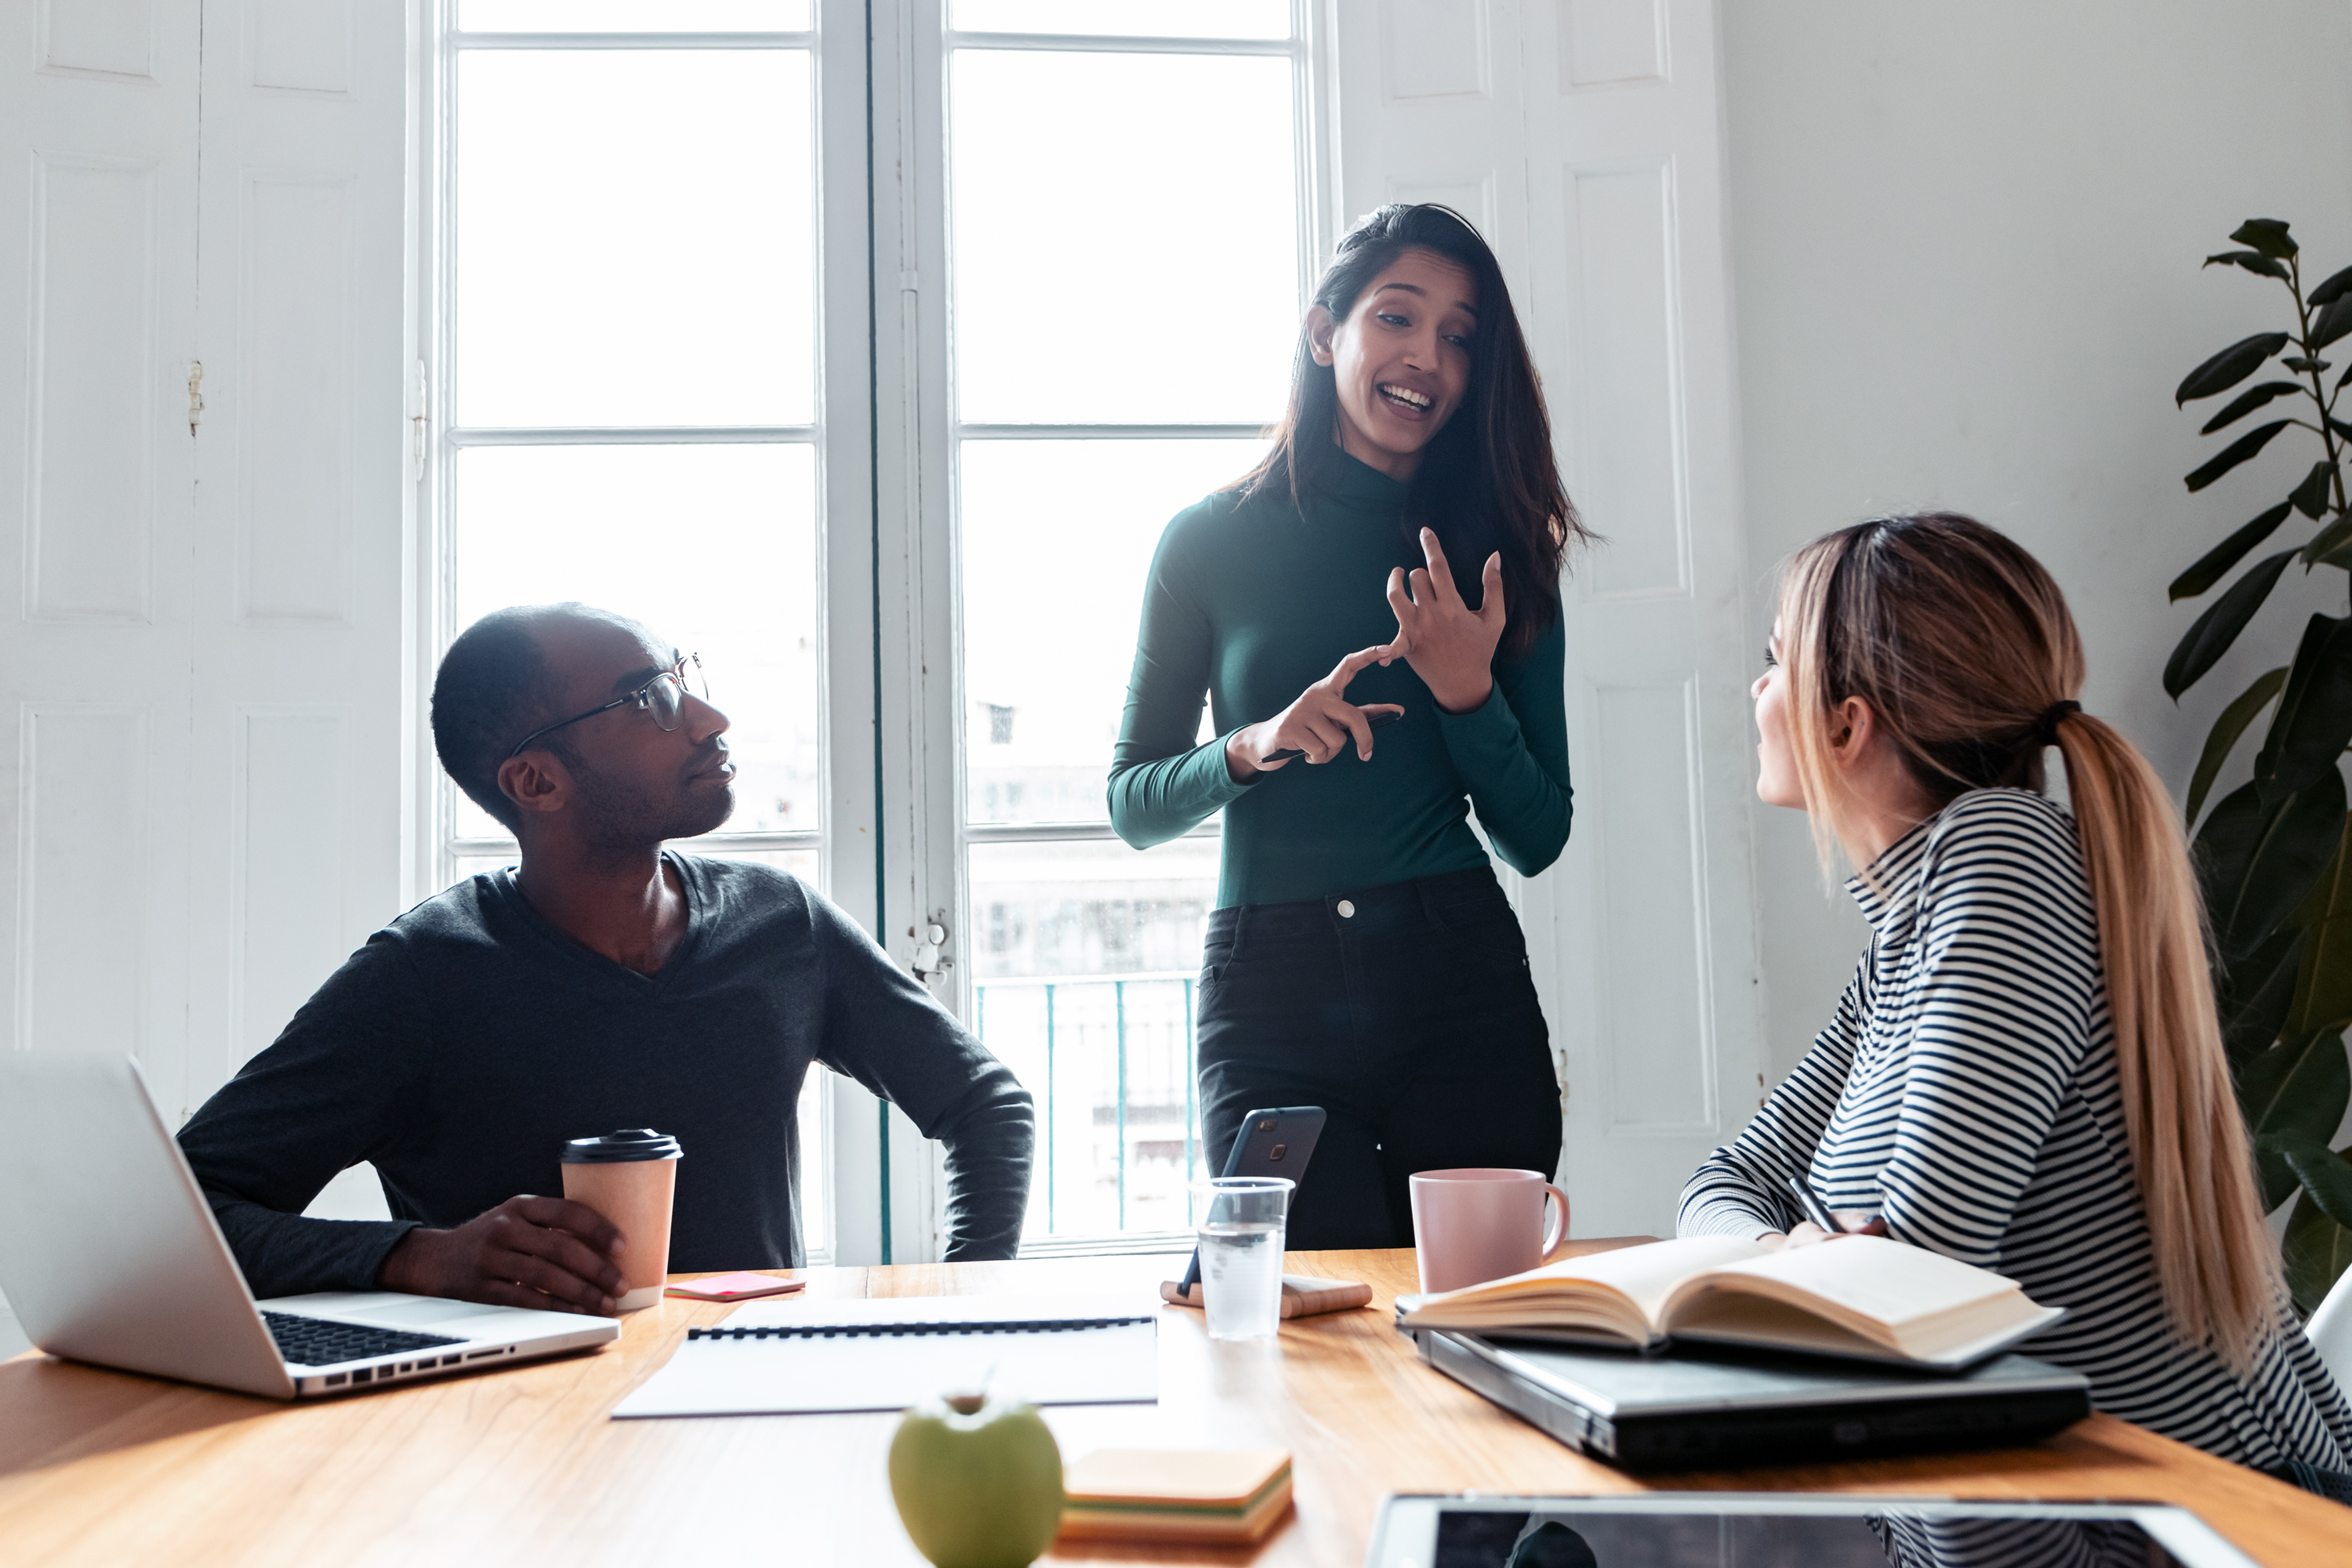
[{"x": 978, "y": 1480}]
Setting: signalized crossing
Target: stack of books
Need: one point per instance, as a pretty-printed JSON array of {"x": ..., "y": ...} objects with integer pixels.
[{"x": 1176, "y": 1495}]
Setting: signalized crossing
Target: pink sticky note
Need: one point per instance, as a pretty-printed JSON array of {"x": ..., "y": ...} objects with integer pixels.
[{"x": 739, "y": 1287}]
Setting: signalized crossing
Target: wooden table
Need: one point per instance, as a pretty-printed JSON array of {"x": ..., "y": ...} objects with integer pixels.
[{"x": 522, "y": 1466}]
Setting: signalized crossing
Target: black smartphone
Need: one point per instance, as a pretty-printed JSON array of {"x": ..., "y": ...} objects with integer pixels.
[
  {"x": 1270, "y": 1143},
  {"x": 1287, "y": 752}
]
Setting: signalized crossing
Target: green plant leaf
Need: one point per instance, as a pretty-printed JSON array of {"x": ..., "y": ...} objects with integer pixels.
[
  {"x": 2335, "y": 288},
  {"x": 2310, "y": 497},
  {"x": 2256, "y": 992},
  {"x": 2267, "y": 235},
  {"x": 2236, "y": 452},
  {"x": 2323, "y": 981},
  {"x": 2218, "y": 626},
  {"x": 2223, "y": 737},
  {"x": 2251, "y": 260},
  {"x": 2330, "y": 324},
  {"x": 2257, "y": 859},
  {"x": 2226, "y": 555},
  {"x": 2246, "y": 402},
  {"x": 2303, "y": 366},
  {"x": 2316, "y": 1251},
  {"x": 2315, "y": 716},
  {"x": 2229, "y": 367},
  {"x": 2326, "y": 546},
  {"x": 2338, "y": 425},
  {"x": 2300, "y": 1085},
  {"x": 2325, "y": 1175}
]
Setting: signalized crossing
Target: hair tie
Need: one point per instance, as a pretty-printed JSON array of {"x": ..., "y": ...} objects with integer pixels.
[{"x": 2045, "y": 728}]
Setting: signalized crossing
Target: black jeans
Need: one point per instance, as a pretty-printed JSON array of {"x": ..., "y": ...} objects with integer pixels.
[{"x": 1407, "y": 1013}]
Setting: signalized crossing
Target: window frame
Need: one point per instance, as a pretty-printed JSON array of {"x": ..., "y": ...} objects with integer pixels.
[
  {"x": 852, "y": 1221},
  {"x": 929, "y": 704},
  {"x": 893, "y": 833},
  {"x": 439, "y": 366}
]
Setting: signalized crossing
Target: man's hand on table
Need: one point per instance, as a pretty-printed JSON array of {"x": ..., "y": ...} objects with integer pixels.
[{"x": 548, "y": 1253}]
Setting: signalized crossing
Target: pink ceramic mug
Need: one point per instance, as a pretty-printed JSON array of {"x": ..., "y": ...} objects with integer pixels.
[{"x": 1479, "y": 1223}]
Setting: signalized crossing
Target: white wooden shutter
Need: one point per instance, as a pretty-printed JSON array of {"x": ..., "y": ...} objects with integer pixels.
[
  {"x": 303, "y": 482},
  {"x": 202, "y": 644}
]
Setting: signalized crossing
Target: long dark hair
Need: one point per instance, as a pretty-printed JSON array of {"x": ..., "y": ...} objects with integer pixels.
[{"x": 1487, "y": 482}]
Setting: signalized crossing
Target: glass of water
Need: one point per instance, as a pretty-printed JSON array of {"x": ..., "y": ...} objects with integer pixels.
[{"x": 1241, "y": 1253}]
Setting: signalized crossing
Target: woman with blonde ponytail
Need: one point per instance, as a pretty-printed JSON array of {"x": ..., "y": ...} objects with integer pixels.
[{"x": 2027, "y": 1071}]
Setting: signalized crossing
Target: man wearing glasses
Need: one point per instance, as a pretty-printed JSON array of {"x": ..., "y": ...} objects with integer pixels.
[{"x": 605, "y": 982}]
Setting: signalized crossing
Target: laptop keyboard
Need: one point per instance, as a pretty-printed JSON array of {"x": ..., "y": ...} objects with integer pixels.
[{"x": 316, "y": 1342}]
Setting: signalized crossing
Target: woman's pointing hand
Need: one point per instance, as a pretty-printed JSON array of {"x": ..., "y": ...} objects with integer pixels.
[{"x": 1319, "y": 725}]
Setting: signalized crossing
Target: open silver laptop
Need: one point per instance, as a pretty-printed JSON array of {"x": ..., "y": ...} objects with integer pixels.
[{"x": 109, "y": 1253}]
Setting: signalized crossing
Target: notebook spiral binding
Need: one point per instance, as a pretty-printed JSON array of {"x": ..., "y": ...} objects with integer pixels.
[{"x": 897, "y": 1330}]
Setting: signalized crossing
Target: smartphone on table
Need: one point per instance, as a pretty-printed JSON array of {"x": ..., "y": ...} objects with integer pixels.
[{"x": 1271, "y": 1144}]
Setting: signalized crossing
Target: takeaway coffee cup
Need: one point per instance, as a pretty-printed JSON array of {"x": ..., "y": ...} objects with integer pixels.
[
  {"x": 629, "y": 1177},
  {"x": 1478, "y": 1224}
]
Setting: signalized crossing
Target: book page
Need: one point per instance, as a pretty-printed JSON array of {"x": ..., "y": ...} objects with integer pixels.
[
  {"x": 1883, "y": 1280},
  {"x": 1915, "y": 1303},
  {"x": 1642, "y": 1276}
]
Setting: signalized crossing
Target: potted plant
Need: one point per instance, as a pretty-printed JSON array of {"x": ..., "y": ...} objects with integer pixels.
[{"x": 2274, "y": 855}]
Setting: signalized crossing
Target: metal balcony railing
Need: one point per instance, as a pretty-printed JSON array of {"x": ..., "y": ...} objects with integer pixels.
[{"x": 1109, "y": 1058}]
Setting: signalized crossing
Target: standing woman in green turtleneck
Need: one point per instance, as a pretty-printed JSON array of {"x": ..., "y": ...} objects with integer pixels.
[{"x": 1362, "y": 957}]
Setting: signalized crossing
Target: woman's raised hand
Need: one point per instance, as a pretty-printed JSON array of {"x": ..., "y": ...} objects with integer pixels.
[
  {"x": 1449, "y": 644},
  {"x": 1321, "y": 723}
]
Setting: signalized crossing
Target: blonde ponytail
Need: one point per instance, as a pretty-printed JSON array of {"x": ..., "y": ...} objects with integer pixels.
[
  {"x": 2215, "y": 1260},
  {"x": 1965, "y": 650}
]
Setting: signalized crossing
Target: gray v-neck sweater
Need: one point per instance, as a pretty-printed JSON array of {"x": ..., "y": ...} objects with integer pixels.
[{"x": 468, "y": 1040}]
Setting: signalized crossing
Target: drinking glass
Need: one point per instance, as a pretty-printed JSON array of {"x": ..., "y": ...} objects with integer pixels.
[{"x": 1242, "y": 1220}]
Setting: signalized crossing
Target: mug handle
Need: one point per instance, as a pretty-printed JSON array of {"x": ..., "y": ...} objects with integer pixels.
[{"x": 1555, "y": 1235}]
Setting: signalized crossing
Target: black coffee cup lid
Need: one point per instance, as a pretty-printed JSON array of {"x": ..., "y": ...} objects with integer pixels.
[{"x": 629, "y": 1144}]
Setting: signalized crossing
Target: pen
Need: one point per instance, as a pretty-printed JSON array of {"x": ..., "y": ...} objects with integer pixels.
[{"x": 1810, "y": 1203}]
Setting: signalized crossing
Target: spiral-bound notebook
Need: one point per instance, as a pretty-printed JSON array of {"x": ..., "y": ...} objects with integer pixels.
[{"x": 798, "y": 1358}]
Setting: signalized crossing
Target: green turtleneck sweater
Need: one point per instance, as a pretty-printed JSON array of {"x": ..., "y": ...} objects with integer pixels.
[{"x": 1252, "y": 601}]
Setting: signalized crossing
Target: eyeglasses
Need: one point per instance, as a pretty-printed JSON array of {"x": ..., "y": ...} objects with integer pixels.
[{"x": 663, "y": 697}]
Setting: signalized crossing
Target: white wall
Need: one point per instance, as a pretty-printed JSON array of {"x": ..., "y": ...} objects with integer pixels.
[{"x": 1965, "y": 252}]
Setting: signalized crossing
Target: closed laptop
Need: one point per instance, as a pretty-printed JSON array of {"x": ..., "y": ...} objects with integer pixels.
[{"x": 1707, "y": 1407}]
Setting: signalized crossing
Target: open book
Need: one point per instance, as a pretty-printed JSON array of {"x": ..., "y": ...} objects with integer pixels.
[{"x": 1858, "y": 1296}]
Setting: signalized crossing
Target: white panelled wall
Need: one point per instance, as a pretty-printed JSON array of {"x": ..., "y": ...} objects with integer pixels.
[
  {"x": 1585, "y": 139},
  {"x": 205, "y": 665}
]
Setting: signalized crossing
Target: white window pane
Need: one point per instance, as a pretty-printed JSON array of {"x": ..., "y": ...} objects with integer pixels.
[
  {"x": 1125, "y": 232},
  {"x": 1127, "y": 18},
  {"x": 1083, "y": 972},
  {"x": 814, "y": 1186},
  {"x": 635, "y": 242},
  {"x": 800, "y": 863},
  {"x": 713, "y": 548},
  {"x": 633, "y": 15},
  {"x": 1070, "y": 524},
  {"x": 476, "y": 865}
]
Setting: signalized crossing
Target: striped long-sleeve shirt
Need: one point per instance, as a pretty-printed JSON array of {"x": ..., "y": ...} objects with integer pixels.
[{"x": 1967, "y": 1091}]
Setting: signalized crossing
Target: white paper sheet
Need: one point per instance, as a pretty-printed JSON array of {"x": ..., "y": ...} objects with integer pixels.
[{"x": 809, "y": 1374}]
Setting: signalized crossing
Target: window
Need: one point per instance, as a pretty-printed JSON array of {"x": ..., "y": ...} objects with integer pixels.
[
  {"x": 656, "y": 377},
  {"x": 1128, "y": 233},
  {"x": 628, "y": 355}
]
